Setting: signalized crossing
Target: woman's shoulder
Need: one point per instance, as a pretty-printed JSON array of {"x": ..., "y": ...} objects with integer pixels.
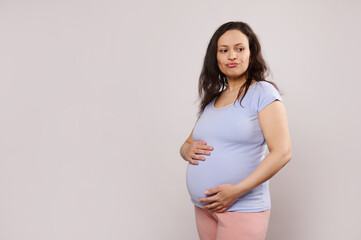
[
  {"x": 263, "y": 87},
  {"x": 264, "y": 84}
]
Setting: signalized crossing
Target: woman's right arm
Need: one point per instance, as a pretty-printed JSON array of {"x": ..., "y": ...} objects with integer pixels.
[{"x": 190, "y": 149}]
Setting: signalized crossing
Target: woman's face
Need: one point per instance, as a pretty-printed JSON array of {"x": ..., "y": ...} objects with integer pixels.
[{"x": 233, "y": 54}]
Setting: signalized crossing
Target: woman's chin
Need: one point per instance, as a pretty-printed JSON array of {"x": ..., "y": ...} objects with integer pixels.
[{"x": 235, "y": 75}]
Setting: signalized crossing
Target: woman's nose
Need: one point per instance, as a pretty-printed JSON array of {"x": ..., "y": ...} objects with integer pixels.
[{"x": 232, "y": 55}]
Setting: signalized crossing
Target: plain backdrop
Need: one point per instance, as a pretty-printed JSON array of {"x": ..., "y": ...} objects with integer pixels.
[{"x": 96, "y": 98}]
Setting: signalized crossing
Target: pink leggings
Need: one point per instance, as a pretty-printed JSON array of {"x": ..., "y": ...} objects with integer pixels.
[{"x": 231, "y": 225}]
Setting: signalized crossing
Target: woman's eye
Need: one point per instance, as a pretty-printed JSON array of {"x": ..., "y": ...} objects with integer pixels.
[
  {"x": 240, "y": 49},
  {"x": 223, "y": 50}
]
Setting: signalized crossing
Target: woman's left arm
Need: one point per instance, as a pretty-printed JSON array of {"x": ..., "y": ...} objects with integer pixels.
[{"x": 274, "y": 126}]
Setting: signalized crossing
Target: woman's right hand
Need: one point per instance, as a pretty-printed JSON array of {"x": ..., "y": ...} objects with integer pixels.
[{"x": 195, "y": 148}]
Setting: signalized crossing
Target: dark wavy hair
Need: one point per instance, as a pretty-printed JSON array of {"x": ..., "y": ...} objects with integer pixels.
[{"x": 212, "y": 81}]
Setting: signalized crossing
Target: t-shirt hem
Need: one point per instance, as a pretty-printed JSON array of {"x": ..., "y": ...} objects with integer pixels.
[
  {"x": 239, "y": 210},
  {"x": 269, "y": 102}
]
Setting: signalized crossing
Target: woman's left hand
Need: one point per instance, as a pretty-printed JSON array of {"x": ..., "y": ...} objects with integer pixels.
[{"x": 225, "y": 196}]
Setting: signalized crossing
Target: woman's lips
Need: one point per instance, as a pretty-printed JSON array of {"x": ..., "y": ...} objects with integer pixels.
[{"x": 231, "y": 64}]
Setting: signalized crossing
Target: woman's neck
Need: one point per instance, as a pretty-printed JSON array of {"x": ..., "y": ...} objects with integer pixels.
[{"x": 235, "y": 85}]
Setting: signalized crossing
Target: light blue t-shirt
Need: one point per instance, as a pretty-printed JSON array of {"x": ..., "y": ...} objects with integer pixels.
[{"x": 239, "y": 147}]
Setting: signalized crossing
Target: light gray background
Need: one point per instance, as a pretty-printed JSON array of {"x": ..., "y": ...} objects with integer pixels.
[{"x": 96, "y": 98}]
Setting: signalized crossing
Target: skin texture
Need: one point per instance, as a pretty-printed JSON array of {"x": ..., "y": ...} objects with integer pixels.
[
  {"x": 273, "y": 122},
  {"x": 233, "y": 47}
]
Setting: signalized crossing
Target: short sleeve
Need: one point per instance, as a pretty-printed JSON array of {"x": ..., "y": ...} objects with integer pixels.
[{"x": 268, "y": 93}]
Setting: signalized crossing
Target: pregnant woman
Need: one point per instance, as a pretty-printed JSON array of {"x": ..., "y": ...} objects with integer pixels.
[{"x": 241, "y": 115}]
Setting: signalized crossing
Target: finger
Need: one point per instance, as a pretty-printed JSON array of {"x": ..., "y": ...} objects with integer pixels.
[
  {"x": 200, "y": 142},
  {"x": 208, "y": 199},
  {"x": 203, "y": 145},
  {"x": 190, "y": 160},
  {"x": 218, "y": 208},
  {"x": 207, "y": 147},
  {"x": 212, "y": 206},
  {"x": 200, "y": 151},
  {"x": 222, "y": 210},
  {"x": 212, "y": 190},
  {"x": 195, "y": 156}
]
